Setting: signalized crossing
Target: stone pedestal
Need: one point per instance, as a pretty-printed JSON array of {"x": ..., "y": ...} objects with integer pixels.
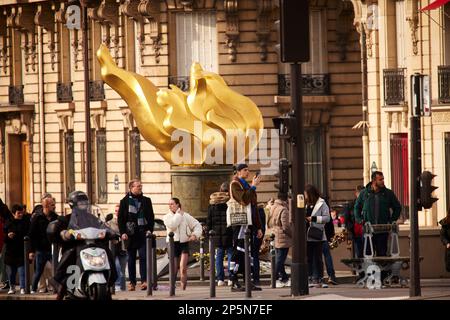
[{"x": 194, "y": 185}]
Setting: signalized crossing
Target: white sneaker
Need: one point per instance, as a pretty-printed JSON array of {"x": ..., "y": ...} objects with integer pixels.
[
  {"x": 117, "y": 289},
  {"x": 33, "y": 292},
  {"x": 279, "y": 284},
  {"x": 221, "y": 283},
  {"x": 324, "y": 285},
  {"x": 22, "y": 291},
  {"x": 287, "y": 283},
  {"x": 230, "y": 283},
  {"x": 12, "y": 290}
]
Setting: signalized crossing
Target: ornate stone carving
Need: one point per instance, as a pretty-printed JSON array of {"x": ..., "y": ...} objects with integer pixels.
[
  {"x": 343, "y": 26},
  {"x": 413, "y": 26},
  {"x": 45, "y": 18},
  {"x": 65, "y": 118},
  {"x": 107, "y": 14},
  {"x": 440, "y": 117},
  {"x": 189, "y": 5},
  {"x": 263, "y": 24},
  {"x": 150, "y": 10},
  {"x": 3, "y": 43},
  {"x": 232, "y": 29},
  {"x": 23, "y": 21}
]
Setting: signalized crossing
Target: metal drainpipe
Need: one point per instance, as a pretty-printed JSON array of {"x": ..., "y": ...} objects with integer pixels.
[
  {"x": 365, "y": 136},
  {"x": 41, "y": 110}
]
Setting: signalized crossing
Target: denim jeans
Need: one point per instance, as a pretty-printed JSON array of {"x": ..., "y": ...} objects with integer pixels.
[
  {"x": 280, "y": 259},
  {"x": 142, "y": 263},
  {"x": 358, "y": 246},
  {"x": 12, "y": 271},
  {"x": 255, "y": 246},
  {"x": 41, "y": 259},
  {"x": 219, "y": 262},
  {"x": 328, "y": 259},
  {"x": 121, "y": 264}
]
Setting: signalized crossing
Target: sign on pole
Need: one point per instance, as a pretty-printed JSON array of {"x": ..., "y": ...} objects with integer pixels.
[
  {"x": 426, "y": 98},
  {"x": 73, "y": 17}
]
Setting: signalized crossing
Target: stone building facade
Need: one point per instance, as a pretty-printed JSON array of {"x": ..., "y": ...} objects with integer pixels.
[{"x": 42, "y": 91}]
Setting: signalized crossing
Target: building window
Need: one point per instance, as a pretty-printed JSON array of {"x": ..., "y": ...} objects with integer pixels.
[
  {"x": 196, "y": 40},
  {"x": 399, "y": 171},
  {"x": 402, "y": 33},
  {"x": 447, "y": 169},
  {"x": 102, "y": 193},
  {"x": 314, "y": 166},
  {"x": 69, "y": 162}
]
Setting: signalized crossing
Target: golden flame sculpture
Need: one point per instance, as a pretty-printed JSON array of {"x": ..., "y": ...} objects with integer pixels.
[{"x": 208, "y": 114}]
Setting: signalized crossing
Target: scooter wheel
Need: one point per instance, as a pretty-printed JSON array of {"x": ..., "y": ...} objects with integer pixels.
[{"x": 99, "y": 292}]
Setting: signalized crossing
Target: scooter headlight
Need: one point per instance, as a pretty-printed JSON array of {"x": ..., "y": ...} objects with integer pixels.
[{"x": 95, "y": 261}]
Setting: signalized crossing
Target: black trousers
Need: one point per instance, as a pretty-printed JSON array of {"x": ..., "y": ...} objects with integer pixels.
[{"x": 314, "y": 255}]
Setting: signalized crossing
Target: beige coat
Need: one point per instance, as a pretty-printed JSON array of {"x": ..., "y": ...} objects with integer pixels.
[{"x": 279, "y": 222}]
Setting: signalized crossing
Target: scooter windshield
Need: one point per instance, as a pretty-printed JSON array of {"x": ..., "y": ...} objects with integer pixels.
[{"x": 82, "y": 217}]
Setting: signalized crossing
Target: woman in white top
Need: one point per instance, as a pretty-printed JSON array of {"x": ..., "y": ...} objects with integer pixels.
[{"x": 185, "y": 228}]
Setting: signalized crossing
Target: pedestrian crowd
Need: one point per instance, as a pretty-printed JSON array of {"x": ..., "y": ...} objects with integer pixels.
[{"x": 233, "y": 211}]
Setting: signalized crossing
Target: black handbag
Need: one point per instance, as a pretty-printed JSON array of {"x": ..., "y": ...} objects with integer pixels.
[{"x": 315, "y": 233}]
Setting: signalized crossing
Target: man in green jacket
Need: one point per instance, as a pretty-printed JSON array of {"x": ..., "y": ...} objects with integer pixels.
[{"x": 378, "y": 205}]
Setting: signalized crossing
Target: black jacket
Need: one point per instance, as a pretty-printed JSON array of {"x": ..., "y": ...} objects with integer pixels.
[
  {"x": 54, "y": 229},
  {"x": 217, "y": 219},
  {"x": 138, "y": 239},
  {"x": 38, "y": 232},
  {"x": 14, "y": 251}
]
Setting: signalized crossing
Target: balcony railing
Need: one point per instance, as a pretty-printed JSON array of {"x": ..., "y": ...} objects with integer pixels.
[
  {"x": 394, "y": 86},
  {"x": 96, "y": 90},
  {"x": 444, "y": 84},
  {"x": 180, "y": 82},
  {"x": 15, "y": 95},
  {"x": 64, "y": 92},
  {"x": 312, "y": 84}
]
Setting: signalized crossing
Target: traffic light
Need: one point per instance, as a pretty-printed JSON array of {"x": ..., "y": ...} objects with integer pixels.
[
  {"x": 283, "y": 177},
  {"x": 426, "y": 189},
  {"x": 286, "y": 126}
]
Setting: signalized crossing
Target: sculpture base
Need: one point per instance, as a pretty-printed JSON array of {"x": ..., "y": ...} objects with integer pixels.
[{"x": 194, "y": 185}]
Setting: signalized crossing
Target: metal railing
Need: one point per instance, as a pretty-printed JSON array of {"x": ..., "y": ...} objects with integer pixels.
[
  {"x": 312, "y": 84},
  {"x": 444, "y": 84},
  {"x": 180, "y": 82},
  {"x": 394, "y": 86}
]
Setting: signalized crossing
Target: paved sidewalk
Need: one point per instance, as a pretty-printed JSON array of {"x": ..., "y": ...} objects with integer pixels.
[{"x": 432, "y": 289}]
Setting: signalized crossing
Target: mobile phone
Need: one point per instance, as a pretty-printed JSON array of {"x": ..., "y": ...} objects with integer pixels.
[{"x": 257, "y": 173}]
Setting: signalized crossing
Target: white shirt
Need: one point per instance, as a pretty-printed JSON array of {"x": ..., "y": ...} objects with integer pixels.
[{"x": 182, "y": 225}]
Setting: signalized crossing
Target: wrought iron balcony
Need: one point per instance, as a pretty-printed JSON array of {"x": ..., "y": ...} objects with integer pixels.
[
  {"x": 312, "y": 84},
  {"x": 64, "y": 92},
  {"x": 444, "y": 84},
  {"x": 15, "y": 95},
  {"x": 180, "y": 82},
  {"x": 96, "y": 90},
  {"x": 394, "y": 86}
]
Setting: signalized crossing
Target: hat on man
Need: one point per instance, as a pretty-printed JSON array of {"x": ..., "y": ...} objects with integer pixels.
[{"x": 241, "y": 166}]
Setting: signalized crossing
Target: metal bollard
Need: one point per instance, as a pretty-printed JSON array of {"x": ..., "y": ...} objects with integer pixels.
[
  {"x": 26, "y": 263},
  {"x": 273, "y": 262},
  {"x": 172, "y": 275},
  {"x": 154, "y": 269},
  {"x": 111, "y": 248},
  {"x": 149, "y": 263},
  {"x": 248, "y": 284},
  {"x": 202, "y": 259},
  {"x": 55, "y": 255},
  {"x": 212, "y": 267}
]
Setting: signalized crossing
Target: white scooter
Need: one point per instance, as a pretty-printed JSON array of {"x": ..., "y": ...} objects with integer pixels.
[{"x": 88, "y": 279}]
